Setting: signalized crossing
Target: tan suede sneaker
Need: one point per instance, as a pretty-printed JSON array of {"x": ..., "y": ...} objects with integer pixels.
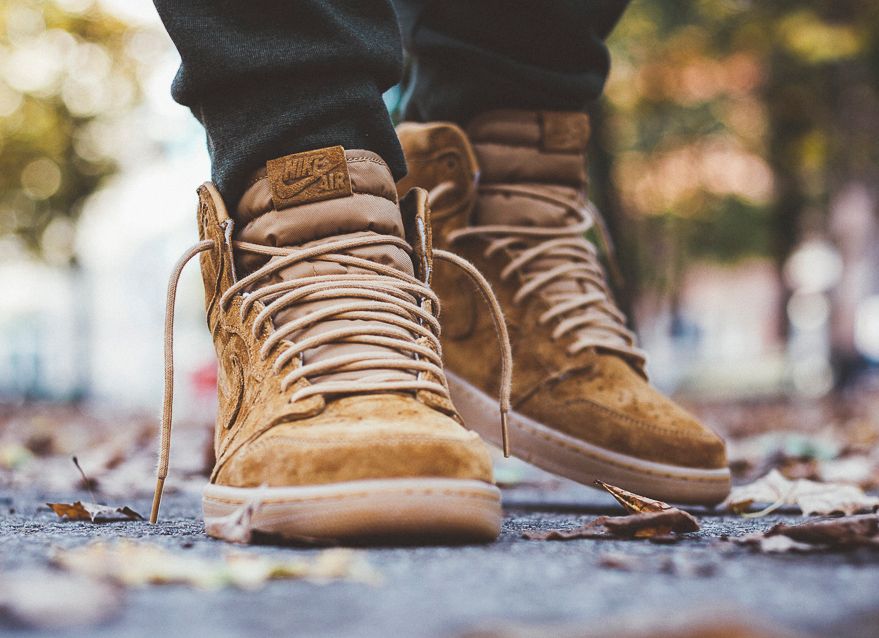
[
  {"x": 514, "y": 204},
  {"x": 334, "y": 416}
]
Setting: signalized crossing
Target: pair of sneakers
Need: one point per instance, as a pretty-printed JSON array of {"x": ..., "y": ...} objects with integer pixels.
[{"x": 343, "y": 415}]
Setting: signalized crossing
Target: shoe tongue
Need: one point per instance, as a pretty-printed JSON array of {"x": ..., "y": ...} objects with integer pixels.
[
  {"x": 311, "y": 198},
  {"x": 544, "y": 150},
  {"x": 317, "y": 195},
  {"x": 546, "y": 153}
]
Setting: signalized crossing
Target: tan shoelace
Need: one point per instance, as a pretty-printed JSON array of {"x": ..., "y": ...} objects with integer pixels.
[
  {"x": 402, "y": 314},
  {"x": 577, "y": 258}
]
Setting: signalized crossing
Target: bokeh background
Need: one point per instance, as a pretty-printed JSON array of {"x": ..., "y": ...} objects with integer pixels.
[{"x": 735, "y": 159}]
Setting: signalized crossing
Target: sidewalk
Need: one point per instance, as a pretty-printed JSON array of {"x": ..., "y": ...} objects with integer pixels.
[
  {"x": 702, "y": 585},
  {"x": 514, "y": 587}
]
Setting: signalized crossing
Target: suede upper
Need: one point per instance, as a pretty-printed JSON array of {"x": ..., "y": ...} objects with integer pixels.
[
  {"x": 597, "y": 394},
  {"x": 262, "y": 436}
]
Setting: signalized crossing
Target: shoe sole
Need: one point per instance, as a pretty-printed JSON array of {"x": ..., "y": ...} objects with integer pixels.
[
  {"x": 577, "y": 460},
  {"x": 435, "y": 509}
]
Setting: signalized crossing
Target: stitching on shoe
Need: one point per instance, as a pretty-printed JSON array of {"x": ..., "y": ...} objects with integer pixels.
[
  {"x": 354, "y": 191},
  {"x": 267, "y": 441},
  {"x": 357, "y": 495},
  {"x": 643, "y": 425},
  {"x": 365, "y": 158}
]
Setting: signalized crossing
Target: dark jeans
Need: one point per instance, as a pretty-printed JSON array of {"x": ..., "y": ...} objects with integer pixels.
[{"x": 267, "y": 78}]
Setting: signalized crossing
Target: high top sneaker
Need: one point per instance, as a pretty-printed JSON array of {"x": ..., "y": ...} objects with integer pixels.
[
  {"x": 334, "y": 415},
  {"x": 514, "y": 204}
]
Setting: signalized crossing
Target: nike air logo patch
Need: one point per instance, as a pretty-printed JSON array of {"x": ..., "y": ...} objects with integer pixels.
[{"x": 312, "y": 176}]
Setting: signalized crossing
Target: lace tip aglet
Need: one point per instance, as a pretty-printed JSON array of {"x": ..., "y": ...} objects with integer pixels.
[
  {"x": 505, "y": 434},
  {"x": 157, "y": 498}
]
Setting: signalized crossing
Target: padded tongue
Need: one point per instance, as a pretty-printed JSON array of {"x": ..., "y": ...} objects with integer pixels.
[
  {"x": 311, "y": 198},
  {"x": 543, "y": 149},
  {"x": 545, "y": 152},
  {"x": 360, "y": 196}
]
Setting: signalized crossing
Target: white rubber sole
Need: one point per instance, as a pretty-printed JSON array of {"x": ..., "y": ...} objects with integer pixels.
[
  {"x": 577, "y": 460},
  {"x": 444, "y": 510}
]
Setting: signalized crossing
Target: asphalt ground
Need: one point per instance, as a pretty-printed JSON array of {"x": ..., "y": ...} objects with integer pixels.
[{"x": 514, "y": 587}]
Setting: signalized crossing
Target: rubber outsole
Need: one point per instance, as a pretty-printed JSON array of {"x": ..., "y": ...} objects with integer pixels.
[
  {"x": 585, "y": 463},
  {"x": 436, "y": 509}
]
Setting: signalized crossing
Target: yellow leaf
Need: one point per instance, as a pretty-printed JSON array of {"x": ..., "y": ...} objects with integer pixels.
[{"x": 137, "y": 564}]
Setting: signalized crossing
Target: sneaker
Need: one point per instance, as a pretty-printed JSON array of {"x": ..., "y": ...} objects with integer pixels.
[
  {"x": 334, "y": 419},
  {"x": 510, "y": 196}
]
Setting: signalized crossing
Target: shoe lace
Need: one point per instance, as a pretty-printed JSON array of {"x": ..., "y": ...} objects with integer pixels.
[
  {"x": 396, "y": 310},
  {"x": 541, "y": 256}
]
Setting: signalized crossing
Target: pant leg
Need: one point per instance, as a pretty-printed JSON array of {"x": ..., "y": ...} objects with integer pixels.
[
  {"x": 267, "y": 78},
  {"x": 471, "y": 56}
]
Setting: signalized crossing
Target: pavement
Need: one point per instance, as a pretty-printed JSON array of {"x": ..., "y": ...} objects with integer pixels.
[{"x": 702, "y": 585}]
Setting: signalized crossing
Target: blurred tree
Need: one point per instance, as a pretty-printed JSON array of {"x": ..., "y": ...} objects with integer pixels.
[
  {"x": 729, "y": 125},
  {"x": 67, "y": 70},
  {"x": 69, "y": 73}
]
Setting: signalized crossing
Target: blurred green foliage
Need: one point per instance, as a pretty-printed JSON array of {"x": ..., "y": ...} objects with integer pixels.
[
  {"x": 66, "y": 71},
  {"x": 729, "y": 124}
]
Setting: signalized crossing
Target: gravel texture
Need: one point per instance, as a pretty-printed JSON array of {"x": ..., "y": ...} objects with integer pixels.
[{"x": 514, "y": 587}]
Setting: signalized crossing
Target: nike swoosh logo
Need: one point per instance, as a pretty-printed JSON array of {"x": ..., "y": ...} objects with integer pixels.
[
  {"x": 299, "y": 187},
  {"x": 296, "y": 188}
]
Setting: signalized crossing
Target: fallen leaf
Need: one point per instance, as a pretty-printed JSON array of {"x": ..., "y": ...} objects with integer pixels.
[
  {"x": 94, "y": 512},
  {"x": 44, "y": 599},
  {"x": 775, "y": 544},
  {"x": 860, "y": 470},
  {"x": 847, "y": 531},
  {"x": 633, "y": 502},
  {"x": 821, "y": 534},
  {"x": 138, "y": 564},
  {"x": 652, "y": 524},
  {"x": 651, "y": 519},
  {"x": 810, "y": 496},
  {"x": 592, "y": 529}
]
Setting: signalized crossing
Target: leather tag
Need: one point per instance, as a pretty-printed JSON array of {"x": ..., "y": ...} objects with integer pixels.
[
  {"x": 312, "y": 176},
  {"x": 565, "y": 132}
]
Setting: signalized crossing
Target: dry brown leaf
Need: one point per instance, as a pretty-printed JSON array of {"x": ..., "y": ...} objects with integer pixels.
[
  {"x": 652, "y": 524},
  {"x": 592, "y": 529},
  {"x": 810, "y": 496},
  {"x": 659, "y": 525},
  {"x": 834, "y": 533},
  {"x": 94, "y": 512},
  {"x": 138, "y": 564},
  {"x": 634, "y": 503},
  {"x": 847, "y": 531}
]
